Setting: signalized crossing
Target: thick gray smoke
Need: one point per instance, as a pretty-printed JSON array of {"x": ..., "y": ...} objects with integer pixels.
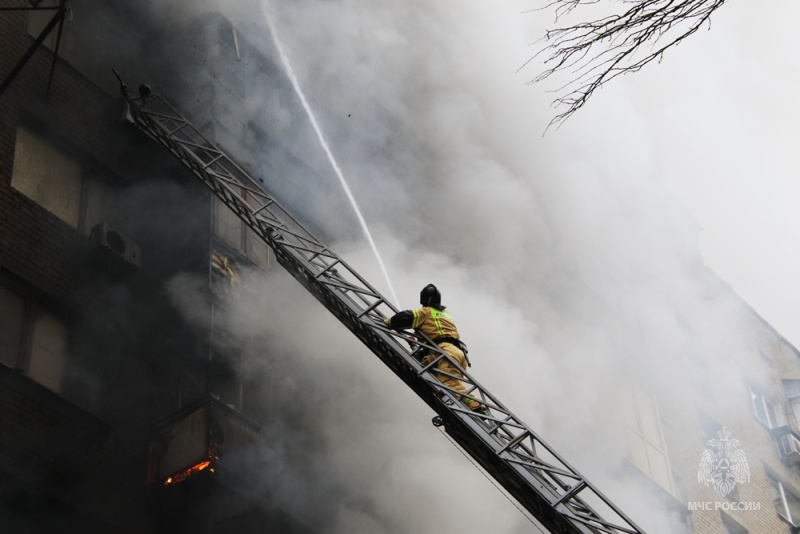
[{"x": 567, "y": 266}]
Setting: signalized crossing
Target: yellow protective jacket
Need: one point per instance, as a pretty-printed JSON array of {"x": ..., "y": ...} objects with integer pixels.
[
  {"x": 433, "y": 322},
  {"x": 438, "y": 324}
]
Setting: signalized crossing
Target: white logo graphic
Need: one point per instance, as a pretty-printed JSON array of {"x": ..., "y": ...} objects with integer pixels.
[{"x": 723, "y": 465}]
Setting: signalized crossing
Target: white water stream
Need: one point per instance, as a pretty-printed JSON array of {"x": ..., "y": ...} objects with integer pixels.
[{"x": 287, "y": 65}]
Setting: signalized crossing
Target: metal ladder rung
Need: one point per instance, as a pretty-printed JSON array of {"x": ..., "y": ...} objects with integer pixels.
[
  {"x": 367, "y": 310},
  {"x": 571, "y": 493},
  {"x": 213, "y": 161},
  {"x": 176, "y": 130},
  {"x": 514, "y": 442}
]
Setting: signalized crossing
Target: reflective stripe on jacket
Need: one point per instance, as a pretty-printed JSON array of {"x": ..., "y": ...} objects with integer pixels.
[{"x": 433, "y": 322}]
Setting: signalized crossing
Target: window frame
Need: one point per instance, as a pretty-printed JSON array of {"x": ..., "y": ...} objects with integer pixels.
[
  {"x": 247, "y": 238},
  {"x": 641, "y": 434},
  {"x": 765, "y": 403},
  {"x": 730, "y": 525},
  {"x": 33, "y": 310},
  {"x": 94, "y": 180},
  {"x": 782, "y": 489}
]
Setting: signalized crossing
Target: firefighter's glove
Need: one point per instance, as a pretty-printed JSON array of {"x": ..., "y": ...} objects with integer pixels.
[{"x": 419, "y": 354}]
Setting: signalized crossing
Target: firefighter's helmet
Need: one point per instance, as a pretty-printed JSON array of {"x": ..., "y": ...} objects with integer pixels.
[{"x": 430, "y": 296}]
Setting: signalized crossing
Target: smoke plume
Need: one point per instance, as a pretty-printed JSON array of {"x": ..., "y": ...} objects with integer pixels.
[{"x": 569, "y": 269}]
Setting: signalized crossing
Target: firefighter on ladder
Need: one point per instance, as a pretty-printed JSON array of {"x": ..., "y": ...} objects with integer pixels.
[{"x": 437, "y": 324}]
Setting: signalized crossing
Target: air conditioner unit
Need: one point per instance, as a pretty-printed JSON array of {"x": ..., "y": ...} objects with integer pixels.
[
  {"x": 789, "y": 447},
  {"x": 113, "y": 251}
]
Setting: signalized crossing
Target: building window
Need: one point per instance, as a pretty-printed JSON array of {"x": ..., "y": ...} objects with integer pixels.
[
  {"x": 32, "y": 339},
  {"x": 47, "y": 175},
  {"x": 231, "y": 70},
  {"x": 699, "y": 373},
  {"x": 792, "y": 390},
  {"x": 48, "y": 351},
  {"x": 765, "y": 410},
  {"x": 99, "y": 203},
  {"x": 54, "y": 179},
  {"x": 708, "y": 427},
  {"x": 647, "y": 448},
  {"x": 258, "y": 251},
  {"x": 787, "y": 503},
  {"x": 228, "y": 226},
  {"x": 12, "y": 309},
  {"x": 731, "y": 526},
  {"x": 225, "y": 369},
  {"x": 233, "y": 232}
]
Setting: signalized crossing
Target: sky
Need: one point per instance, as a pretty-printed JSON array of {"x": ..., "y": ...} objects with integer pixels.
[
  {"x": 720, "y": 133},
  {"x": 562, "y": 255},
  {"x": 723, "y": 123}
]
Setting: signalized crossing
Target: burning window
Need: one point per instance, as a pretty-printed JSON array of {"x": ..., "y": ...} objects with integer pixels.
[
  {"x": 186, "y": 473},
  {"x": 200, "y": 440}
]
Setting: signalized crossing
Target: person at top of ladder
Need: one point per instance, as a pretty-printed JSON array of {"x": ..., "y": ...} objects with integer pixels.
[{"x": 438, "y": 325}]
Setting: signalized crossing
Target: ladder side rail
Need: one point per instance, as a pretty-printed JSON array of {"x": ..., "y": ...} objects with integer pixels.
[{"x": 341, "y": 302}]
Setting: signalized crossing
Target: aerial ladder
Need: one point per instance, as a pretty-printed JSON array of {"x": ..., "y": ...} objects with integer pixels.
[{"x": 529, "y": 469}]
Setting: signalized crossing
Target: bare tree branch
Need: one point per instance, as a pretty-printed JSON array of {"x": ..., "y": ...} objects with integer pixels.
[{"x": 598, "y": 51}]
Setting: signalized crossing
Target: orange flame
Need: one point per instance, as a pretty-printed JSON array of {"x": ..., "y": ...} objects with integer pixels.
[{"x": 183, "y": 475}]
